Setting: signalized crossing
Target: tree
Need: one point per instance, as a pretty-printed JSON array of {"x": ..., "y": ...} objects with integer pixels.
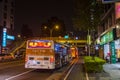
[
  {"x": 44, "y": 31},
  {"x": 51, "y": 23},
  {"x": 86, "y": 15},
  {"x": 26, "y": 32}
]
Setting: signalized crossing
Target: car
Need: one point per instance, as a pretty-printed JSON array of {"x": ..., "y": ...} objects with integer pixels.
[{"x": 5, "y": 57}]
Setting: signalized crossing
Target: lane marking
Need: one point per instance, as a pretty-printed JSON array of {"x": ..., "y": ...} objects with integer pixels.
[
  {"x": 19, "y": 74},
  {"x": 86, "y": 76},
  {"x": 69, "y": 71}
]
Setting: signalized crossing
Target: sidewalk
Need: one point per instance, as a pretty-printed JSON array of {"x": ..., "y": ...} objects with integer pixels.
[{"x": 113, "y": 70}]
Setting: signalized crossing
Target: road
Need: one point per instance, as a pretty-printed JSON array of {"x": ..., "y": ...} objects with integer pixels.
[
  {"x": 76, "y": 72},
  {"x": 15, "y": 71}
]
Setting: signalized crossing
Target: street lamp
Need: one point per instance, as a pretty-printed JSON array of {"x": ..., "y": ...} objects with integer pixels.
[{"x": 51, "y": 29}]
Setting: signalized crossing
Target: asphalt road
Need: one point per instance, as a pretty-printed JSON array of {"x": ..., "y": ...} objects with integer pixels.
[
  {"x": 15, "y": 71},
  {"x": 76, "y": 72}
]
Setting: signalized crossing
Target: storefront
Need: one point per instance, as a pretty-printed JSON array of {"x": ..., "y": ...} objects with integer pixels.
[
  {"x": 117, "y": 48},
  {"x": 117, "y": 42},
  {"x": 107, "y": 43},
  {"x": 106, "y": 50}
]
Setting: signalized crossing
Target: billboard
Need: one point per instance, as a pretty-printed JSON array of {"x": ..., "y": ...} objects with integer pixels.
[{"x": 109, "y": 1}]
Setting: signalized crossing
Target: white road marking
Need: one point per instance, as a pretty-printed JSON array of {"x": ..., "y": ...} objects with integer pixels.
[
  {"x": 69, "y": 71},
  {"x": 19, "y": 74},
  {"x": 86, "y": 76}
]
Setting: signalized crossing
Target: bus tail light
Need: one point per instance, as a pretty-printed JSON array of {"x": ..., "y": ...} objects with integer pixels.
[
  {"x": 26, "y": 58},
  {"x": 51, "y": 59}
]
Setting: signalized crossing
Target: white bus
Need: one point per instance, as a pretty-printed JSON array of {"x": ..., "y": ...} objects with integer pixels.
[{"x": 43, "y": 54}]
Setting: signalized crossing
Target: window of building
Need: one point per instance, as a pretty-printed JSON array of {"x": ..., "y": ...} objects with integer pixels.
[
  {"x": 11, "y": 26},
  {"x": 1, "y": 0},
  {"x": 11, "y": 18},
  {"x": 6, "y": 1},
  {"x": 5, "y": 15},
  {"x": 12, "y": 11},
  {"x": 5, "y": 7},
  {"x": 110, "y": 21},
  {"x": 12, "y": 4},
  {"x": 4, "y": 23}
]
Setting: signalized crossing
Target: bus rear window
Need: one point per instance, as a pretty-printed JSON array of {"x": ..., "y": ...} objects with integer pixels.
[
  {"x": 46, "y": 58},
  {"x": 31, "y": 58},
  {"x": 39, "y": 44}
]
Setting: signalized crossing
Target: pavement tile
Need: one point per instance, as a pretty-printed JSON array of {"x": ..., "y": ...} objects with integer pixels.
[{"x": 113, "y": 70}]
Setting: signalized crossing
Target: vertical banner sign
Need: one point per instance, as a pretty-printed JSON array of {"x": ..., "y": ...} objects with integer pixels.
[
  {"x": 4, "y": 37},
  {"x": 117, "y": 10},
  {"x": 113, "y": 52}
]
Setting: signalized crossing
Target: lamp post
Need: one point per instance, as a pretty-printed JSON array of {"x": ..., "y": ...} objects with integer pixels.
[
  {"x": 88, "y": 41},
  {"x": 51, "y": 29}
]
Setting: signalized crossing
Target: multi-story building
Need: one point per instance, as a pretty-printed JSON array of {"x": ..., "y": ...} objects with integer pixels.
[
  {"x": 6, "y": 22},
  {"x": 108, "y": 31},
  {"x": 7, "y": 15}
]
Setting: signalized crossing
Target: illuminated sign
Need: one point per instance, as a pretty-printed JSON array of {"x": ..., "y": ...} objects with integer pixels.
[
  {"x": 113, "y": 52},
  {"x": 117, "y": 10},
  {"x": 39, "y": 44},
  {"x": 66, "y": 36},
  {"x": 109, "y": 1},
  {"x": 10, "y": 37},
  {"x": 108, "y": 37},
  {"x": 4, "y": 37}
]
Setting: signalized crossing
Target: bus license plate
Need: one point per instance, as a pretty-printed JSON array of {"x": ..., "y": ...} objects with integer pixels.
[{"x": 38, "y": 62}]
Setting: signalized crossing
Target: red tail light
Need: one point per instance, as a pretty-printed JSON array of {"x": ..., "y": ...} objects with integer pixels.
[
  {"x": 52, "y": 59},
  {"x": 26, "y": 58}
]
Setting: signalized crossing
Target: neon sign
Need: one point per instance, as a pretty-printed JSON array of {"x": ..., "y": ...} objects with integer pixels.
[
  {"x": 4, "y": 37},
  {"x": 10, "y": 37}
]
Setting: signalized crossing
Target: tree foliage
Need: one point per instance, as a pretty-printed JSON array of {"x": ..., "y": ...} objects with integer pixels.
[
  {"x": 51, "y": 23},
  {"x": 26, "y": 32},
  {"x": 86, "y": 14}
]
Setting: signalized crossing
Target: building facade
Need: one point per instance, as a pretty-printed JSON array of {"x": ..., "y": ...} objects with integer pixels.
[
  {"x": 7, "y": 15},
  {"x": 7, "y": 8},
  {"x": 108, "y": 31}
]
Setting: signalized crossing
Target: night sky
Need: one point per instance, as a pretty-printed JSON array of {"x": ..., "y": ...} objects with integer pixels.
[{"x": 36, "y": 12}]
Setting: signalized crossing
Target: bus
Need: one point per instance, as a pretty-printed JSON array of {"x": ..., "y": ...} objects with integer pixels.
[
  {"x": 45, "y": 54},
  {"x": 74, "y": 52}
]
